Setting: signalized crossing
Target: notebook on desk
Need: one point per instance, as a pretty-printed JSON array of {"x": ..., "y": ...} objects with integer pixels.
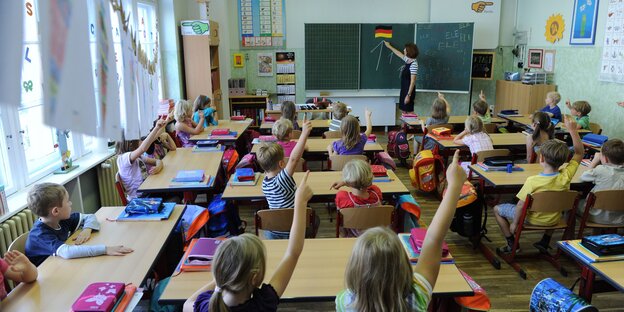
[{"x": 189, "y": 176}]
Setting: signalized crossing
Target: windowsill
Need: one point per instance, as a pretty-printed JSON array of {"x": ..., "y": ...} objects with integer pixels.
[{"x": 18, "y": 200}]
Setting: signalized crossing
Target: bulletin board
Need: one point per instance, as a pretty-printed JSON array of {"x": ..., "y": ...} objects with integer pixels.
[
  {"x": 262, "y": 23},
  {"x": 612, "y": 64}
]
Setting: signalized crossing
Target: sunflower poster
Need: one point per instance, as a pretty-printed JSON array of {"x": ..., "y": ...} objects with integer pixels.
[{"x": 555, "y": 26}]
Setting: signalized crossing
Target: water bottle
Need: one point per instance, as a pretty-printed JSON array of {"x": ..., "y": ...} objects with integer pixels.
[
  {"x": 509, "y": 168},
  {"x": 468, "y": 224}
]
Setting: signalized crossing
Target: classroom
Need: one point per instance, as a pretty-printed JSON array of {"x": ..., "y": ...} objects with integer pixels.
[{"x": 252, "y": 155}]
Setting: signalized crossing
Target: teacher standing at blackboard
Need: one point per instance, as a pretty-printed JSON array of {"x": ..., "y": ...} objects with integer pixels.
[{"x": 408, "y": 75}]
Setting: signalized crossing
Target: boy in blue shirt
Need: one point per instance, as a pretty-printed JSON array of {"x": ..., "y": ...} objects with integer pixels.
[
  {"x": 551, "y": 108},
  {"x": 50, "y": 201}
]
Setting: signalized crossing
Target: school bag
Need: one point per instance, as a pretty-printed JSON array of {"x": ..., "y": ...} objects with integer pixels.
[
  {"x": 427, "y": 171},
  {"x": 467, "y": 219},
  {"x": 410, "y": 210},
  {"x": 479, "y": 301},
  {"x": 398, "y": 146},
  {"x": 549, "y": 295},
  {"x": 224, "y": 219}
]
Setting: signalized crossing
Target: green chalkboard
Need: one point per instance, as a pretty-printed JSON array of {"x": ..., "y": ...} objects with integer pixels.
[
  {"x": 332, "y": 56},
  {"x": 379, "y": 67},
  {"x": 445, "y": 59}
]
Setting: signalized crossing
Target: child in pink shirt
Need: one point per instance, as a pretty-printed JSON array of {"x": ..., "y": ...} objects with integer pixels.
[{"x": 282, "y": 130}]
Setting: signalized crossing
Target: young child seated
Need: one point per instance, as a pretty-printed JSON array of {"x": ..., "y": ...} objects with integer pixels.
[
  {"x": 543, "y": 130},
  {"x": 289, "y": 111},
  {"x": 440, "y": 110},
  {"x": 339, "y": 111},
  {"x": 358, "y": 176},
  {"x": 379, "y": 275},
  {"x": 16, "y": 267},
  {"x": 551, "y": 108},
  {"x": 580, "y": 110},
  {"x": 50, "y": 201},
  {"x": 130, "y": 157},
  {"x": 352, "y": 141},
  {"x": 239, "y": 265},
  {"x": 475, "y": 137},
  {"x": 211, "y": 116},
  {"x": 481, "y": 109},
  {"x": 159, "y": 147},
  {"x": 282, "y": 130},
  {"x": 552, "y": 154},
  {"x": 607, "y": 173},
  {"x": 320, "y": 103},
  {"x": 185, "y": 126},
  {"x": 278, "y": 185}
]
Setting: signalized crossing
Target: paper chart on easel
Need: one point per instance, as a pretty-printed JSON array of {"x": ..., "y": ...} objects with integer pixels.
[{"x": 612, "y": 64}]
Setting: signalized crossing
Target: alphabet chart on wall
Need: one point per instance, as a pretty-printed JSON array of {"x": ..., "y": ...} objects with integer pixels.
[
  {"x": 612, "y": 65},
  {"x": 262, "y": 23}
]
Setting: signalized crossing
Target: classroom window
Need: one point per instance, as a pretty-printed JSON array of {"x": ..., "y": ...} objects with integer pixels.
[{"x": 5, "y": 169}]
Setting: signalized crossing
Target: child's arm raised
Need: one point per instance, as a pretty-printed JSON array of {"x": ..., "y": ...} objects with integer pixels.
[
  {"x": 568, "y": 104},
  {"x": 197, "y": 129},
  {"x": 448, "y": 105},
  {"x": 285, "y": 269},
  {"x": 429, "y": 260},
  {"x": 134, "y": 155},
  {"x": 20, "y": 268},
  {"x": 369, "y": 122},
  {"x": 297, "y": 152},
  {"x": 190, "y": 302},
  {"x": 572, "y": 127}
]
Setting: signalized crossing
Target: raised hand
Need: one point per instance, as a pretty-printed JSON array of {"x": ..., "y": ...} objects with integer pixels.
[
  {"x": 455, "y": 174},
  {"x": 304, "y": 192},
  {"x": 482, "y": 96},
  {"x": 569, "y": 123}
]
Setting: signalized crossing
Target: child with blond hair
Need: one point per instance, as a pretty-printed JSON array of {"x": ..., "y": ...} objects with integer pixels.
[
  {"x": 473, "y": 136},
  {"x": 185, "y": 126},
  {"x": 282, "y": 130},
  {"x": 339, "y": 111},
  {"x": 352, "y": 141},
  {"x": 551, "y": 108}
]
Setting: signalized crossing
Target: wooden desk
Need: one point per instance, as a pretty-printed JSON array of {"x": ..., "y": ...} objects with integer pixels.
[
  {"x": 316, "y": 146},
  {"x": 499, "y": 140},
  {"x": 319, "y": 182},
  {"x": 182, "y": 159},
  {"x": 316, "y": 124},
  {"x": 526, "y": 122},
  {"x": 517, "y": 178},
  {"x": 234, "y": 125},
  {"x": 611, "y": 272},
  {"x": 455, "y": 120},
  {"x": 316, "y": 277},
  {"x": 61, "y": 281}
]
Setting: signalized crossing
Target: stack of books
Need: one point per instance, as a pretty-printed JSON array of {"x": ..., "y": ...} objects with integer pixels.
[
  {"x": 412, "y": 250},
  {"x": 199, "y": 254},
  {"x": 497, "y": 168},
  {"x": 594, "y": 140},
  {"x": 208, "y": 146},
  {"x": 190, "y": 178},
  {"x": 585, "y": 254},
  {"x": 245, "y": 177}
]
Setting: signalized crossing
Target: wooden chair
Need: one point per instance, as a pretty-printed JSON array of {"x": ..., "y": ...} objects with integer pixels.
[
  {"x": 301, "y": 165},
  {"x": 19, "y": 243},
  {"x": 548, "y": 201},
  {"x": 120, "y": 189},
  {"x": 337, "y": 162},
  {"x": 295, "y": 134},
  {"x": 363, "y": 218},
  {"x": 605, "y": 200},
  {"x": 281, "y": 220},
  {"x": 595, "y": 128},
  {"x": 428, "y": 130},
  {"x": 490, "y": 127},
  {"x": 332, "y": 135}
]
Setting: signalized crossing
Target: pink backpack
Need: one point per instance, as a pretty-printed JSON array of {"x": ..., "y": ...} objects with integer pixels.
[{"x": 398, "y": 146}]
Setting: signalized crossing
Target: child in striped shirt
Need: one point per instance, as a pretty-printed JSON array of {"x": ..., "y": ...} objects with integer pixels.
[{"x": 278, "y": 185}]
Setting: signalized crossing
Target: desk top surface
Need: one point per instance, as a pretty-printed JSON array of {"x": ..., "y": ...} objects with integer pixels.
[
  {"x": 460, "y": 119},
  {"x": 316, "y": 124},
  {"x": 527, "y": 122},
  {"x": 234, "y": 125},
  {"x": 320, "y": 146},
  {"x": 612, "y": 271},
  {"x": 61, "y": 281},
  {"x": 517, "y": 178},
  {"x": 182, "y": 159},
  {"x": 498, "y": 140},
  {"x": 319, "y": 182},
  {"x": 315, "y": 275}
]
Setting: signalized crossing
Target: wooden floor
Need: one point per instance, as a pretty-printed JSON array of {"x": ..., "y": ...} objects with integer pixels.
[{"x": 507, "y": 291}]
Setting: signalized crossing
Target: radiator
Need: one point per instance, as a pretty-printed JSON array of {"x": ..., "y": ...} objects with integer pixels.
[
  {"x": 106, "y": 172},
  {"x": 12, "y": 228}
]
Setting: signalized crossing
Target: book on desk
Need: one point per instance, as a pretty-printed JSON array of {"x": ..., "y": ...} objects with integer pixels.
[
  {"x": 575, "y": 247},
  {"x": 413, "y": 254},
  {"x": 199, "y": 254},
  {"x": 236, "y": 180},
  {"x": 189, "y": 176}
]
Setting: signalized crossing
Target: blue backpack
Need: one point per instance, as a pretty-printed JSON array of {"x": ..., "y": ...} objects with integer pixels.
[{"x": 224, "y": 219}]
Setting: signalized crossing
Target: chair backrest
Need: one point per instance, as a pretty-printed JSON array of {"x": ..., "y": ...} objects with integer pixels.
[
  {"x": 553, "y": 201},
  {"x": 337, "y": 162},
  {"x": 19, "y": 243},
  {"x": 279, "y": 219},
  {"x": 595, "y": 128},
  {"x": 120, "y": 189},
  {"x": 362, "y": 218},
  {"x": 295, "y": 134},
  {"x": 490, "y": 127},
  {"x": 332, "y": 135},
  {"x": 301, "y": 164},
  {"x": 482, "y": 155},
  {"x": 608, "y": 200}
]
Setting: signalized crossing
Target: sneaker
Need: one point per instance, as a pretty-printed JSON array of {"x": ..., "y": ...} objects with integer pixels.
[
  {"x": 507, "y": 249},
  {"x": 542, "y": 248}
]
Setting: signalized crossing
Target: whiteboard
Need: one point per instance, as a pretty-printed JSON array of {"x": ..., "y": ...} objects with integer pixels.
[{"x": 486, "y": 18}]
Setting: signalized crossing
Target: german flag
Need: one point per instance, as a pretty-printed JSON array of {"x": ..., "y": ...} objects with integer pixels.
[{"x": 383, "y": 31}]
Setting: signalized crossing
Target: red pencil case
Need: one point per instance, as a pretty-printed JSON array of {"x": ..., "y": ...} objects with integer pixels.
[
  {"x": 241, "y": 117},
  {"x": 220, "y": 131}
]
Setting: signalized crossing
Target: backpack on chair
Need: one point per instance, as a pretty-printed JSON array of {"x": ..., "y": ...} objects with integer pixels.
[
  {"x": 398, "y": 146},
  {"x": 426, "y": 171}
]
